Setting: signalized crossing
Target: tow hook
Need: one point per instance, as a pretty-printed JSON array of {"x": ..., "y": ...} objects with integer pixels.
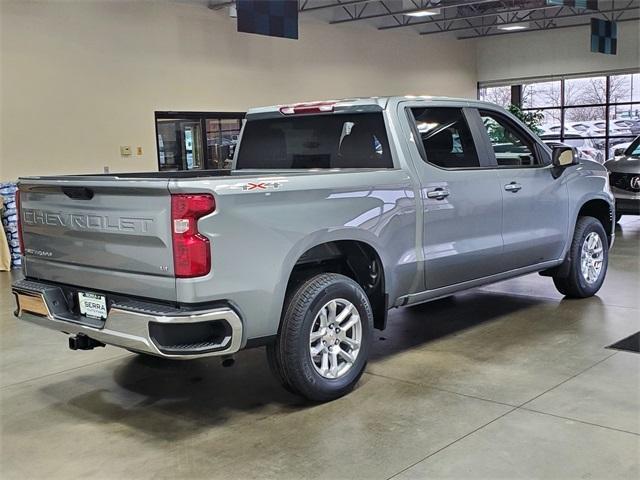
[
  {"x": 82, "y": 342},
  {"x": 228, "y": 361}
]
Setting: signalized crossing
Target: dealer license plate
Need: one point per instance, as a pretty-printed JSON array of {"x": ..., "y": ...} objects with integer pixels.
[{"x": 92, "y": 305}]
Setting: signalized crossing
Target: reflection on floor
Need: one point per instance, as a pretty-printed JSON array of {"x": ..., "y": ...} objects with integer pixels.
[{"x": 509, "y": 380}]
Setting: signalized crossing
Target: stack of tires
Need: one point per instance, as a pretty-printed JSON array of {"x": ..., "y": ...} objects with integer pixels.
[{"x": 10, "y": 220}]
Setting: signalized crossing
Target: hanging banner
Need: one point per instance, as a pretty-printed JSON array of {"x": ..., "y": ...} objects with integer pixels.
[
  {"x": 604, "y": 36},
  {"x": 274, "y": 18}
]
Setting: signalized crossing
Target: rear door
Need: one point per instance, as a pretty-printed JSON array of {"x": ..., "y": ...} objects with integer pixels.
[
  {"x": 102, "y": 233},
  {"x": 462, "y": 203},
  {"x": 535, "y": 204}
]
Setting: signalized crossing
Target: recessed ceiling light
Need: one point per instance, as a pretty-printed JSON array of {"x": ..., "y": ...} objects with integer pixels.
[
  {"x": 510, "y": 28},
  {"x": 424, "y": 13}
]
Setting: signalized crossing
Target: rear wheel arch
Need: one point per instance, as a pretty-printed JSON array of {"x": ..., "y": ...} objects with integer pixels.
[{"x": 356, "y": 259}]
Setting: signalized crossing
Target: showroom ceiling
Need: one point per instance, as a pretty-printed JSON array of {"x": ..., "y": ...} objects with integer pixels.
[{"x": 464, "y": 18}]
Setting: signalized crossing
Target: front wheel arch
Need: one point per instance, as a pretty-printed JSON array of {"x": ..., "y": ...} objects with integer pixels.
[{"x": 597, "y": 208}]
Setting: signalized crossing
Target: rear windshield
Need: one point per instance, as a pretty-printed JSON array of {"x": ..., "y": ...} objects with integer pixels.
[{"x": 320, "y": 141}]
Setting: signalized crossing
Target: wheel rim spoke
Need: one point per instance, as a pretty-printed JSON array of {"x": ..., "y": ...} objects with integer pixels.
[
  {"x": 317, "y": 349},
  {"x": 346, "y": 311},
  {"x": 323, "y": 317},
  {"x": 352, "y": 321},
  {"x": 325, "y": 361},
  {"x": 332, "y": 311},
  {"x": 316, "y": 335},
  {"x": 346, "y": 355},
  {"x": 334, "y": 363}
]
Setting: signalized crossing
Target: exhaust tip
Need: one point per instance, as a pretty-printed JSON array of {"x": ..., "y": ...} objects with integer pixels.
[{"x": 228, "y": 362}]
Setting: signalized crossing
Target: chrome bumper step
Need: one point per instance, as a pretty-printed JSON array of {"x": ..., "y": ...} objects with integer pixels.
[{"x": 156, "y": 329}]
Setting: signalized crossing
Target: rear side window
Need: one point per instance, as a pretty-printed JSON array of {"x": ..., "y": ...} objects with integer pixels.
[
  {"x": 315, "y": 141},
  {"x": 446, "y": 137}
]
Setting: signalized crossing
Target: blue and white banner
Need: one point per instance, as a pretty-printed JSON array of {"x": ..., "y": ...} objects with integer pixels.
[{"x": 604, "y": 36}]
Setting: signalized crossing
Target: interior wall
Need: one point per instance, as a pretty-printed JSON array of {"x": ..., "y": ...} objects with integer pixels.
[
  {"x": 554, "y": 52},
  {"x": 79, "y": 79}
]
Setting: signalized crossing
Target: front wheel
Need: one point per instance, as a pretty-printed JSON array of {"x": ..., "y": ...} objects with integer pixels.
[
  {"x": 323, "y": 345},
  {"x": 589, "y": 257}
]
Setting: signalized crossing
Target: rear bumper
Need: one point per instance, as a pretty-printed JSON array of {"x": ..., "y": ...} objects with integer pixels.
[{"x": 139, "y": 326}]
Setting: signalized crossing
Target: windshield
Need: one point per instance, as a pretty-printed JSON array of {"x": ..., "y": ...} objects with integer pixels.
[
  {"x": 634, "y": 149},
  {"x": 315, "y": 141}
]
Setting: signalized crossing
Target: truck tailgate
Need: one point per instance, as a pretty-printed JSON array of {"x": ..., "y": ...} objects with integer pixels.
[{"x": 102, "y": 233}]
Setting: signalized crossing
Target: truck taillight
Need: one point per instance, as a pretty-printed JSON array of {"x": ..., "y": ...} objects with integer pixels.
[
  {"x": 19, "y": 222},
  {"x": 191, "y": 250}
]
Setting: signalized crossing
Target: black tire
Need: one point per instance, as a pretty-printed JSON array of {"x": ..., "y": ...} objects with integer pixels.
[
  {"x": 289, "y": 356},
  {"x": 575, "y": 285},
  {"x": 274, "y": 361},
  {"x": 618, "y": 217}
]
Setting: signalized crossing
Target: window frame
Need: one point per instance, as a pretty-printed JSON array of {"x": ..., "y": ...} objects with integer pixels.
[
  {"x": 542, "y": 159},
  {"x": 472, "y": 124},
  {"x": 201, "y": 117},
  {"x": 517, "y": 86}
]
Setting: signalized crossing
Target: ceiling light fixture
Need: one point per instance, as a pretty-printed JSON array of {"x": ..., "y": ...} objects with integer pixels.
[
  {"x": 424, "y": 13},
  {"x": 511, "y": 28}
]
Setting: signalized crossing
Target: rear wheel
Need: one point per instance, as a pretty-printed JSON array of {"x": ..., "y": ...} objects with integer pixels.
[
  {"x": 323, "y": 346},
  {"x": 589, "y": 257}
]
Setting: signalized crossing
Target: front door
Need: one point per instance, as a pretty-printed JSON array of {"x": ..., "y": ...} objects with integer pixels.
[
  {"x": 462, "y": 202},
  {"x": 535, "y": 204}
]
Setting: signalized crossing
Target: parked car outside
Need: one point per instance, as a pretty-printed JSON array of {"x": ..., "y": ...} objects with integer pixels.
[
  {"x": 624, "y": 178},
  {"x": 614, "y": 128},
  {"x": 555, "y": 130},
  {"x": 632, "y": 126},
  {"x": 587, "y": 129}
]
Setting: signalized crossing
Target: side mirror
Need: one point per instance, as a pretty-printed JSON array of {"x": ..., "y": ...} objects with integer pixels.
[
  {"x": 564, "y": 156},
  {"x": 618, "y": 152}
]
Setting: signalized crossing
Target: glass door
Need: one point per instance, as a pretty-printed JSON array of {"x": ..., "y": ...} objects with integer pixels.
[
  {"x": 192, "y": 145},
  {"x": 196, "y": 141},
  {"x": 222, "y": 137}
]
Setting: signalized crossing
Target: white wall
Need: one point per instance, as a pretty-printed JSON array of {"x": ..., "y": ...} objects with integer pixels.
[
  {"x": 81, "y": 78},
  {"x": 554, "y": 52}
]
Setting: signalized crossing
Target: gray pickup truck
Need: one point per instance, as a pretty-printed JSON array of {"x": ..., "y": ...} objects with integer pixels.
[{"x": 333, "y": 213}]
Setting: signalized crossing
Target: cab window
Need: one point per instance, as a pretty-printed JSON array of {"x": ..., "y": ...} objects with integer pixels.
[
  {"x": 446, "y": 137},
  {"x": 511, "y": 147}
]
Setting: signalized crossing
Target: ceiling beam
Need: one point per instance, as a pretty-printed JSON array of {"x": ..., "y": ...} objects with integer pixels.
[
  {"x": 469, "y": 17},
  {"x": 427, "y": 6},
  {"x": 495, "y": 24},
  {"x": 338, "y": 4},
  {"x": 584, "y": 24}
]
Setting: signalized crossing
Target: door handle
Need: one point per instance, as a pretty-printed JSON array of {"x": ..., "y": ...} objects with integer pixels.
[
  {"x": 438, "y": 193},
  {"x": 512, "y": 187}
]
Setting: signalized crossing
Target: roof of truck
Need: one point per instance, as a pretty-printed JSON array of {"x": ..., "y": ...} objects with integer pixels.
[{"x": 360, "y": 104}]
